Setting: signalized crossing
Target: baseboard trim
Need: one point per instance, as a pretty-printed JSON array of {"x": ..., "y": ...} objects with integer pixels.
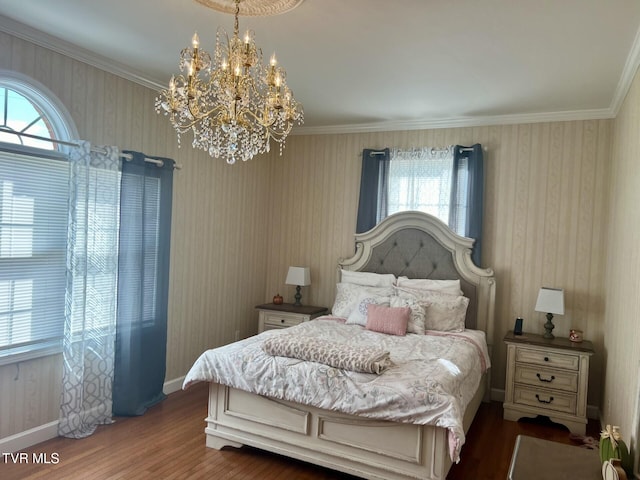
[
  {"x": 33, "y": 436},
  {"x": 497, "y": 395},
  {"x": 174, "y": 385},
  {"x": 28, "y": 438}
]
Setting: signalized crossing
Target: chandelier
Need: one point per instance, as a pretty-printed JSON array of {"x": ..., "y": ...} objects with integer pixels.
[{"x": 232, "y": 103}]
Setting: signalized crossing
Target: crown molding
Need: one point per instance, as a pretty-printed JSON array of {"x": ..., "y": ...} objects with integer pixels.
[
  {"x": 481, "y": 121},
  {"x": 63, "y": 47},
  {"x": 628, "y": 74}
]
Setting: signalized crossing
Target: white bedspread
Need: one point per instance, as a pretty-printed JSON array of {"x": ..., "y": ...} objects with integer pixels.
[{"x": 431, "y": 381}]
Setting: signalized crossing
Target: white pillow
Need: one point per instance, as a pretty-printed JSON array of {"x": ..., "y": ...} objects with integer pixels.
[
  {"x": 447, "y": 315},
  {"x": 417, "y": 318},
  {"x": 451, "y": 287},
  {"x": 444, "y": 312},
  {"x": 368, "y": 279},
  {"x": 358, "y": 314},
  {"x": 348, "y": 294}
]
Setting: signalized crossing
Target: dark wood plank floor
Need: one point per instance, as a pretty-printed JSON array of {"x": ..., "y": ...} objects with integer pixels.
[{"x": 168, "y": 442}]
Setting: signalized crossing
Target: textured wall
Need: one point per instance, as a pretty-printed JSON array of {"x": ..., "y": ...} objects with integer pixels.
[
  {"x": 622, "y": 285},
  {"x": 217, "y": 258},
  {"x": 545, "y": 211}
]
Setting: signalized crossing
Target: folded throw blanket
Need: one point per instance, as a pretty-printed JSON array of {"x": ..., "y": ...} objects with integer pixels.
[{"x": 348, "y": 357}]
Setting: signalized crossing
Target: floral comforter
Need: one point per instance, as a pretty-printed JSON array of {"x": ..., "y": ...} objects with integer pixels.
[{"x": 431, "y": 380}]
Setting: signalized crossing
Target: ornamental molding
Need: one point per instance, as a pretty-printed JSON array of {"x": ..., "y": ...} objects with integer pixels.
[{"x": 252, "y": 8}]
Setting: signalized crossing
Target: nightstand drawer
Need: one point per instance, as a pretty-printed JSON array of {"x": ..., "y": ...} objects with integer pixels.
[
  {"x": 546, "y": 399},
  {"x": 280, "y": 320},
  {"x": 547, "y": 358},
  {"x": 285, "y": 315},
  {"x": 547, "y": 378}
]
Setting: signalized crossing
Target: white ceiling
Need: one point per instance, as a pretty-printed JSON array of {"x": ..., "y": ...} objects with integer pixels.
[{"x": 359, "y": 65}]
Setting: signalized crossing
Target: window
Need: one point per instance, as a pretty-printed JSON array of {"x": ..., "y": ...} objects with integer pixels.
[
  {"x": 21, "y": 119},
  {"x": 34, "y": 195},
  {"x": 33, "y": 235},
  {"x": 420, "y": 180}
]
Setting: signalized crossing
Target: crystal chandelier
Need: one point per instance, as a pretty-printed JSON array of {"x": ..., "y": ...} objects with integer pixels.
[{"x": 233, "y": 104}]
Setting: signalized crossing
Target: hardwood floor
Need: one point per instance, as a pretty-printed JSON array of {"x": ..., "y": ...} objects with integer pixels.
[{"x": 168, "y": 442}]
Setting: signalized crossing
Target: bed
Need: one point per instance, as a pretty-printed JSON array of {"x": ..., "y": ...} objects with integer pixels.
[{"x": 409, "y": 244}]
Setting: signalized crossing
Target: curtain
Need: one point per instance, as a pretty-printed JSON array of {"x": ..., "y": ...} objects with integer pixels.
[
  {"x": 372, "y": 206},
  {"x": 420, "y": 179},
  {"x": 449, "y": 186},
  {"x": 141, "y": 338},
  {"x": 91, "y": 279},
  {"x": 467, "y": 195}
]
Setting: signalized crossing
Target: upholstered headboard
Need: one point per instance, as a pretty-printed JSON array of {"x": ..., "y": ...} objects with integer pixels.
[{"x": 418, "y": 245}]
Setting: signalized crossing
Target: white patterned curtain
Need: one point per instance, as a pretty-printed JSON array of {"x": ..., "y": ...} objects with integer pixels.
[
  {"x": 420, "y": 179},
  {"x": 92, "y": 274}
]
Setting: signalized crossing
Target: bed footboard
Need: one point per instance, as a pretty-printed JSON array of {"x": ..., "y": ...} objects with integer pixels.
[{"x": 362, "y": 447}]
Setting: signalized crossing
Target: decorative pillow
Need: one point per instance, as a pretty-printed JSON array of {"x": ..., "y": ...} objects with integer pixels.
[
  {"x": 444, "y": 312},
  {"x": 358, "y": 314},
  {"x": 348, "y": 294},
  {"x": 451, "y": 287},
  {"x": 417, "y": 317},
  {"x": 390, "y": 320},
  {"x": 368, "y": 279}
]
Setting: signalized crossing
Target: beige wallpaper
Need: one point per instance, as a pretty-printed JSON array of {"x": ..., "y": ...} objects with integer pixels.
[
  {"x": 545, "y": 208},
  {"x": 622, "y": 285},
  {"x": 237, "y": 229}
]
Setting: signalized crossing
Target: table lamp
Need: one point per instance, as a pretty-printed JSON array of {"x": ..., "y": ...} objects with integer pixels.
[
  {"x": 550, "y": 301},
  {"x": 300, "y": 277}
]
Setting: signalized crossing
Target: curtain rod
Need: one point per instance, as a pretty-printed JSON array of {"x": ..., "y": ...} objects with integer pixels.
[
  {"x": 433, "y": 150},
  {"x": 127, "y": 156}
]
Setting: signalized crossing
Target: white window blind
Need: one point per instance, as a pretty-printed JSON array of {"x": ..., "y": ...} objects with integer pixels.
[{"x": 33, "y": 236}]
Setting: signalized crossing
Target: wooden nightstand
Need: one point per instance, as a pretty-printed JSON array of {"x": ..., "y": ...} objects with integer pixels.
[
  {"x": 547, "y": 377},
  {"x": 286, "y": 315}
]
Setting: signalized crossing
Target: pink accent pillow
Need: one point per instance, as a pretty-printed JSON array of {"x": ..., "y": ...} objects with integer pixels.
[{"x": 390, "y": 320}]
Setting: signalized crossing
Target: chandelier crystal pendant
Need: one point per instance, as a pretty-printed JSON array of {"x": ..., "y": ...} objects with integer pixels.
[{"x": 233, "y": 104}]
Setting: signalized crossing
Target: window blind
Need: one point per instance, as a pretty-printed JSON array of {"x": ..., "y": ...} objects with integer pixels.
[{"x": 33, "y": 236}]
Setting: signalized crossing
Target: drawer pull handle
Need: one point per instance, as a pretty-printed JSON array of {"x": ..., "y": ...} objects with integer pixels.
[
  {"x": 546, "y": 359},
  {"x": 282, "y": 320},
  {"x": 548, "y": 380},
  {"x": 544, "y": 401}
]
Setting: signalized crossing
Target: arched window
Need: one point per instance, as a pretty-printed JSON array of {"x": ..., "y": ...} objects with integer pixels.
[
  {"x": 34, "y": 194},
  {"x": 30, "y": 115}
]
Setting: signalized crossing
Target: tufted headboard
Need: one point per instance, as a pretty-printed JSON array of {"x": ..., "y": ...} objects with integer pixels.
[{"x": 418, "y": 245}]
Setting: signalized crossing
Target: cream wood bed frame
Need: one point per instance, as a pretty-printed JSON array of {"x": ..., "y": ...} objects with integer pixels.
[{"x": 356, "y": 445}]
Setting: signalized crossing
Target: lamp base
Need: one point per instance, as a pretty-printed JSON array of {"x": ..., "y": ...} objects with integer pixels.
[
  {"x": 548, "y": 327},
  {"x": 298, "y": 297}
]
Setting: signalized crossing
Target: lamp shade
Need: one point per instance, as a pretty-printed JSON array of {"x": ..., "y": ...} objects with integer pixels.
[
  {"x": 300, "y": 276},
  {"x": 550, "y": 300}
]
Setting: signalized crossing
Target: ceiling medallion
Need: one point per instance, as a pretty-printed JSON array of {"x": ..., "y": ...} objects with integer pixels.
[
  {"x": 253, "y": 8},
  {"x": 232, "y": 103}
]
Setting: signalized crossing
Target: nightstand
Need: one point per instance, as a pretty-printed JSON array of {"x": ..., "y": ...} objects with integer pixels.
[
  {"x": 547, "y": 377},
  {"x": 286, "y": 315}
]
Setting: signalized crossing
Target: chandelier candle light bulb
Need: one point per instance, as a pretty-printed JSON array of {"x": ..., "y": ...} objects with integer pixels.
[{"x": 234, "y": 112}]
